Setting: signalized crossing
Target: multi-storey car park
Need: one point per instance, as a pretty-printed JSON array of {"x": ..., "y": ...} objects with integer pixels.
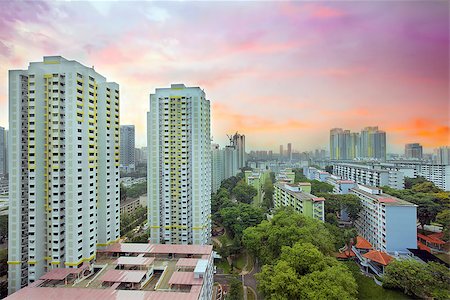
[
  {"x": 64, "y": 162},
  {"x": 131, "y": 271}
]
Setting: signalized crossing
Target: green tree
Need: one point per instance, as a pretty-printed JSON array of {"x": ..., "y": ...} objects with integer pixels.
[
  {"x": 268, "y": 193},
  {"x": 320, "y": 187},
  {"x": 431, "y": 280},
  {"x": 4, "y": 225},
  {"x": 244, "y": 193},
  {"x": 279, "y": 281},
  {"x": 285, "y": 229},
  {"x": 236, "y": 291},
  {"x": 409, "y": 182},
  {"x": 303, "y": 272},
  {"x": 425, "y": 187},
  {"x": 335, "y": 282},
  {"x": 444, "y": 218},
  {"x": 241, "y": 216},
  {"x": 299, "y": 177}
]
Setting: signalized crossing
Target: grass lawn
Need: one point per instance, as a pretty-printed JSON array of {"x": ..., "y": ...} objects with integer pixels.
[
  {"x": 225, "y": 239},
  {"x": 368, "y": 289},
  {"x": 239, "y": 261},
  {"x": 223, "y": 264},
  {"x": 444, "y": 257}
]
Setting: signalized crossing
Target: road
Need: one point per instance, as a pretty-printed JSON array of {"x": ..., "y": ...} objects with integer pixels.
[{"x": 250, "y": 280}]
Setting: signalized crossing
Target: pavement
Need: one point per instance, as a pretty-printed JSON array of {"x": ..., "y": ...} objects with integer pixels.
[{"x": 250, "y": 280}]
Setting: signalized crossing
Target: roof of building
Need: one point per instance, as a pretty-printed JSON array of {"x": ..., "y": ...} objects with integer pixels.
[
  {"x": 157, "y": 248},
  {"x": 434, "y": 239},
  {"x": 187, "y": 262},
  {"x": 298, "y": 194},
  {"x": 386, "y": 199},
  {"x": 61, "y": 274},
  {"x": 48, "y": 293},
  {"x": 422, "y": 246},
  {"x": 362, "y": 243},
  {"x": 345, "y": 254},
  {"x": 135, "y": 260},
  {"x": 345, "y": 181},
  {"x": 379, "y": 257},
  {"x": 133, "y": 276},
  {"x": 184, "y": 278}
]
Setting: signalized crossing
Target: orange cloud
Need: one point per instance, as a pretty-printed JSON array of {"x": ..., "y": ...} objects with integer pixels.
[
  {"x": 232, "y": 120},
  {"x": 426, "y": 131}
]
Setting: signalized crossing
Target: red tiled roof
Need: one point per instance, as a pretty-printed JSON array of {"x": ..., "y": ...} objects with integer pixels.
[
  {"x": 431, "y": 239},
  {"x": 123, "y": 276},
  {"x": 362, "y": 243},
  {"x": 318, "y": 199},
  {"x": 345, "y": 254},
  {"x": 423, "y": 247},
  {"x": 185, "y": 278},
  {"x": 379, "y": 257}
]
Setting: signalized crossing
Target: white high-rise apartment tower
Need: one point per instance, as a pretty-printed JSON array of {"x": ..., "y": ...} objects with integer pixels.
[
  {"x": 64, "y": 163},
  {"x": 179, "y": 166}
]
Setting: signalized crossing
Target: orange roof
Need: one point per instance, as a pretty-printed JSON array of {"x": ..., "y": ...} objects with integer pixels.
[
  {"x": 362, "y": 243},
  {"x": 423, "y": 247},
  {"x": 431, "y": 239},
  {"x": 379, "y": 257},
  {"x": 345, "y": 254}
]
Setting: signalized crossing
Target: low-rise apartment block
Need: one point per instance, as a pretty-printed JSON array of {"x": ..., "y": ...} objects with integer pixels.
[
  {"x": 340, "y": 186},
  {"x": 298, "y": 197},
  {"x": 387, "y": 222},
  {"x": 131, "y": 271},
  {"x": 369, "y": 175}
]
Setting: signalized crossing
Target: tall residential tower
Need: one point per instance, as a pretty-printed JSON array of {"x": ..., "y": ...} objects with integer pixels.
[
  {"x": 127, "y": 150},
  {"x": 179, "y": 166},
  {"x": 64, "y": 163}
]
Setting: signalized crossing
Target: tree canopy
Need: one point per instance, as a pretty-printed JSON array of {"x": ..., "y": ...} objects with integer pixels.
[
  {"x": 285, "y": 229},
  {"x": 336, "y": 203},
  {"x": 240, "y": 216},
  {"x": 430, "y": 280},
  {"x": 243, "y": 192},
  {"x": 303, "y": 272}
]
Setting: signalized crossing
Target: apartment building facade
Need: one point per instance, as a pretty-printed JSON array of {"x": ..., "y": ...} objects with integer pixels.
[
  {"x": 64, "y": 162},
  {"x": 369, "y": 175},
  {"x": 299, "y": 198},
  {"x": 387, "y": 222},
  {"x": 179, "y": 166}
]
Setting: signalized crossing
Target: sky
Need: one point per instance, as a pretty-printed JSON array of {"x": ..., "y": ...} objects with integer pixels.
[{"x": 277, "y": 72}]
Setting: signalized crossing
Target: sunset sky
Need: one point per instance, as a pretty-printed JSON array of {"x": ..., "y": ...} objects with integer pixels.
[{"x": 277, "y": 72}]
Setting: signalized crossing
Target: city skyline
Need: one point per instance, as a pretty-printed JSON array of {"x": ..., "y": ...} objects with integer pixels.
[{"x": 281, "y": 72}]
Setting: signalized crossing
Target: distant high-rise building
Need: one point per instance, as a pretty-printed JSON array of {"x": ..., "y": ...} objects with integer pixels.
[
  {"x": 413, "y": 151},
  {"x": 230, "y": 161},
  {"x": 127, "y": 150},
  {"x": 346, "y": 145},
  {"x": 289, "y": 151},
  {"x": 64, "y": 162},
  {"x": 343, "y": 144},
  {"x": 179, "y": 166},
  {"x": 442, "y": 155},
  {"x": 217, "y": 167},
  {"x": 373, "y": 143},
  {"x": 3, "y": 151},
  {"x": 281, "y": 151},
  {"x": 238, "y": 141}
]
